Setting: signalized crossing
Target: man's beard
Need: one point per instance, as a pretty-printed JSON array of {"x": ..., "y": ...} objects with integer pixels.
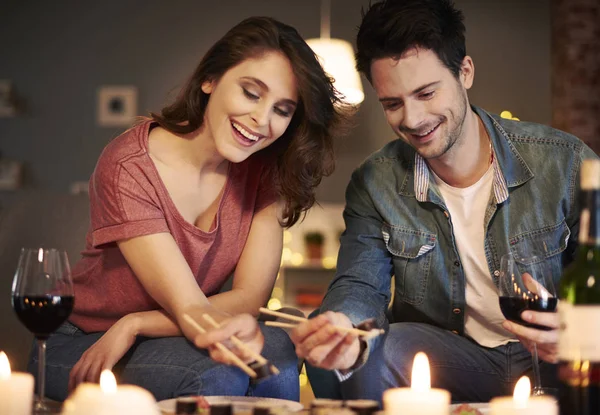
[{"x": 453, "y": 135}]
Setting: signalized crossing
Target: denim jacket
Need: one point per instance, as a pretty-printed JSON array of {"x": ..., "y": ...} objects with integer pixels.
[{"x": 393, "y": 232}]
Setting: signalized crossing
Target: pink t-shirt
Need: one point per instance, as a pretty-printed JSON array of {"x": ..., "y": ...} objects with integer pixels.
[{"x": 128, "y": 199}]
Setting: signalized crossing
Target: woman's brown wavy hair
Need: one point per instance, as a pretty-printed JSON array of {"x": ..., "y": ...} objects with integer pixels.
[{"x": 304, "y": 153}]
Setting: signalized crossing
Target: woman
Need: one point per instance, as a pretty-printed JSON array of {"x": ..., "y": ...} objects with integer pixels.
[{"x": 186, "y": 198}]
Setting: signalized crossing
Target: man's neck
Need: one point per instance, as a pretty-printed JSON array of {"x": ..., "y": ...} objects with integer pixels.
[{"x": 469, "y": 158}]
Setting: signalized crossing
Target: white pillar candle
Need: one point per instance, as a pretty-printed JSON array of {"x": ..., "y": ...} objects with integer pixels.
[
  {"x": 16, "y": 390},
  {"x": 420, "y": 398},
  {"x": 110, "y": 399},
  {"x": 522, "y": 404}
]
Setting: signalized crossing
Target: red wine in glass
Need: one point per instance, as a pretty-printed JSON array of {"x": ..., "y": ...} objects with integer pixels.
[
  {"x": 43, "y": 314},
  {"x": 525, "y": 283},
  {"x": 42, "y": 297},
  {"x": 512, "y": 307}
]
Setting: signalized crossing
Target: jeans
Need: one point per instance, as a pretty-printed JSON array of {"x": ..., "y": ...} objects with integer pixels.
[
  {"x": 470, "y": 372},
  {"x": 169, "y": 367}
]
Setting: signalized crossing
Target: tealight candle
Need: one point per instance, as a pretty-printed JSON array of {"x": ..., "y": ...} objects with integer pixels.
[
  {"x": 110, "y": 399},
  {"x": 420, "y": 398},
  {"x": 16, "y": 390},
  {"x": 521, "y": 403}
]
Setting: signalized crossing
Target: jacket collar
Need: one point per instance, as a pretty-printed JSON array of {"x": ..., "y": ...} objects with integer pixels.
[{"x": 510, "y": 169}]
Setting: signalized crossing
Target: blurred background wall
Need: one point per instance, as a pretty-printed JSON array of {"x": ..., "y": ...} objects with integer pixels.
[{"x": 57, "y": 54}]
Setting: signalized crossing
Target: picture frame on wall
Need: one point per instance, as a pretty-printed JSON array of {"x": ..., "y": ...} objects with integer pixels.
[
  {"x": 10, "y": 174},
  {"x": 117, "y": 105},
  {"x": 7, "y": 107}
]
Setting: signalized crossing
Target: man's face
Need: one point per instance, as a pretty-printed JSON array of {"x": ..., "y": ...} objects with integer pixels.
[{"x": 424, "y": 103}]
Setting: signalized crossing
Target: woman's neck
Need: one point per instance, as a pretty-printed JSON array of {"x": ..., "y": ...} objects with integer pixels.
[{"x": 195, "y": 150}]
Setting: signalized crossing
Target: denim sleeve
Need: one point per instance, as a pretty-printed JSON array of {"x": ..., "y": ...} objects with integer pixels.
[{"x": 361, "y": 287}]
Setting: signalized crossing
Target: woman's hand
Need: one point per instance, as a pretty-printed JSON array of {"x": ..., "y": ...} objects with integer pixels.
[
  {"x": 105, "y": 353},
  {"x": 243, "y": 326}
]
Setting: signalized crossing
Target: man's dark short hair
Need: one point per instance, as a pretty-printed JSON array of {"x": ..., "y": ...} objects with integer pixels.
[{"x": 390, "y": 27}]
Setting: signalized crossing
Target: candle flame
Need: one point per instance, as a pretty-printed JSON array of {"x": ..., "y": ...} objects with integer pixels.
[
  {"x": 522, "y": 392},
  {"x": 4, "y": 366},
  {"x": 421, "y": 378},
  {"x": 108, "y": 383}
]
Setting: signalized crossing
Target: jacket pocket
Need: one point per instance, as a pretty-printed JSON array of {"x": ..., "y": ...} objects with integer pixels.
[
  {"x": 543, "y": 245},
  {"x": 412, "y": 254}
]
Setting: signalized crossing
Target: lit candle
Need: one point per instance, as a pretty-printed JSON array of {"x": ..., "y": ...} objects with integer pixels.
[
  {"x": 420, "y": 398},
  {"x": 108, "y": 399},
  {"x": 16, "y": 390},
  {"x": 521, "y": 403}
]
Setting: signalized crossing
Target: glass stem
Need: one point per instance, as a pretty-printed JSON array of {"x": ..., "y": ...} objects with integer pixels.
[
  {"x": 537, "y": 380},
  {"x": 41, "y": 379}
]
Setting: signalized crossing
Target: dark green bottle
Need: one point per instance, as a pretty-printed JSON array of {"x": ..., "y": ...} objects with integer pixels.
[{"x": 579, "y": 307}]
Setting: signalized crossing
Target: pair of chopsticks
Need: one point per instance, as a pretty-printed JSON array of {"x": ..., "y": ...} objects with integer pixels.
[
  {"x": 357, "y": 332},
  {"x": 240, "y": 344}
]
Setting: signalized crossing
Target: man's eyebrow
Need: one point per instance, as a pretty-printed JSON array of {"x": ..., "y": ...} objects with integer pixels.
[
  {"x": 420, "y": 89},
  {"x": 416, "y": 91},
  {"x": 264, "y": 86}
]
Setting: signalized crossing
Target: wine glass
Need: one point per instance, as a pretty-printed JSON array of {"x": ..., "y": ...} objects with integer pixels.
[
  {"x": 42, "y": 297},
  {"x": 525, "y": 283}
]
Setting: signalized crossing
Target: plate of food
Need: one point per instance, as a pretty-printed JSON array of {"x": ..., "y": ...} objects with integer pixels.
[
  {"x": 482, "y": 408},
  {"x": 240, "y": 404}
]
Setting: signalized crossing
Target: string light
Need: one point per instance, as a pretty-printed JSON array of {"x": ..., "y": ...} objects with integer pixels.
[
  {"x": 297, "y": 259},
  {"x": 274, "y": 304},
  {"x": 509, "y": 116}
]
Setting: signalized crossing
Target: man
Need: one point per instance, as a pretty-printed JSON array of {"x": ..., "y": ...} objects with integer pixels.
[{"x": 435, "y": 210}]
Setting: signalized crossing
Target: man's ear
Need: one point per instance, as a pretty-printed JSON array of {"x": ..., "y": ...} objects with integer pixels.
[{"x": 467, "y": 72}]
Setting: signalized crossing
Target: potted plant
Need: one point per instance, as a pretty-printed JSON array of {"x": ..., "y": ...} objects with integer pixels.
[{"x": 314, "y": 241}]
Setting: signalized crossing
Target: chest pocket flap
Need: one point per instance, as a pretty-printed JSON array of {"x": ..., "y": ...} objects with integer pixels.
[
  {"x": 412, "y": 260},
  {"x": 407, "y": 243},
  {"x": 543, "y": 243}
]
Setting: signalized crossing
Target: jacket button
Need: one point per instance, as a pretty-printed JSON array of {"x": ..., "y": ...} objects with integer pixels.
[
  {"x": 456, "y": 263},
  {"x": 496, "y": 273},
  {"x": 456, "y": 311}
]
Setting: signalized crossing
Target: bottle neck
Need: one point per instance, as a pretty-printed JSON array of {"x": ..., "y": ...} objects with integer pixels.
[{"x": 589, "y": 220}]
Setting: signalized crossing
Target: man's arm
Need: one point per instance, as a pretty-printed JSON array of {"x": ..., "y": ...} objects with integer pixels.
[
  {"x": 547, "y": 340},
  {"x": 360, "y": 290}
]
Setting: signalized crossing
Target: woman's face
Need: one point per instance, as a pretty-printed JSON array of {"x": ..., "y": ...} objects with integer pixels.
[{"x": 251, "y": 105}]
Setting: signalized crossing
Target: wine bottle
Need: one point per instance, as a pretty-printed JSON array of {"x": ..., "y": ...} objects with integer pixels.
[{"x": 579, "y": 307}]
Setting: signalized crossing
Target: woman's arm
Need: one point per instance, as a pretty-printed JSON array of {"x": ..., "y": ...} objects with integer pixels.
[
  {"x": 163, "y": 271},
  {"x": 257, "y": 268},
  {"x": 252, "y": 282}
]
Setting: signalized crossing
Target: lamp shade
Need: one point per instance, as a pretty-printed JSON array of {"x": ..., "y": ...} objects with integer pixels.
[{"x": 337, "y": 59}]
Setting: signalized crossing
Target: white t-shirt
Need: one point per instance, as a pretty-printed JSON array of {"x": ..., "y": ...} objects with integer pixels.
[{"x": 467, "y": 207}]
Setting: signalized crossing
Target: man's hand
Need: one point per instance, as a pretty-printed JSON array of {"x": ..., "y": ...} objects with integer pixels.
[
  {"x": 322, "y": 346},
  {"x": 105, "y": 353},
  {"x": 547, "y": 341},
  {"x": 243, "y": 326}
]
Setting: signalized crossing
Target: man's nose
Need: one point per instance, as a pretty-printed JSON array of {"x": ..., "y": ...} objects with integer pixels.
[{"x": 412, "y": 116}]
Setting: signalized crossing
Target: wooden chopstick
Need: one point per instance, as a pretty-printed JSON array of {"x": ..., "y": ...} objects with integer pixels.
[
  {"x": 242, "y": 345},
  {"x": 282, "y": 315},
  {"x": 357, "y": 332},
  {"x": 238, "y": 362},
  {"x": 279, "y": 324}
]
